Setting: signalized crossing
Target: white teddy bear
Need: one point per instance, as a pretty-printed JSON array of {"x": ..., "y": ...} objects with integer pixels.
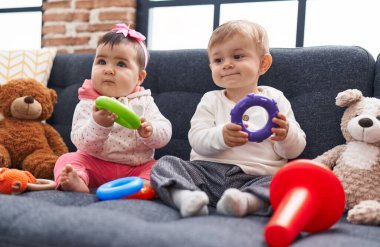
[{"x": 357, "y": 163}]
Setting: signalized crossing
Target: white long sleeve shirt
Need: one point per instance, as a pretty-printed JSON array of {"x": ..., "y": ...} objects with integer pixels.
[
  {"x": 117, "y": 143},
  {"x": 264, "y": 158}
]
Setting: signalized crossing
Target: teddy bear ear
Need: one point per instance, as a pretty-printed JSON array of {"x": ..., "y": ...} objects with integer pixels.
[
  {"x": 53, "y": 95},
  {"x": 348, "y": 97}
]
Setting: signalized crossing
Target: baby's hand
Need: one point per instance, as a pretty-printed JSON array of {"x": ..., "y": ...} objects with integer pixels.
[
  {"x": 103, "y": 117},
  {"x": 233, "y": 136},
  {"x": 281, "y": 132},
  {"x": 145, "y": 130}
]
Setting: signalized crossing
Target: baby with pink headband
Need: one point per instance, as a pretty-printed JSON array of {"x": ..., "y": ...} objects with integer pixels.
[{"x": 106, "y": 150}]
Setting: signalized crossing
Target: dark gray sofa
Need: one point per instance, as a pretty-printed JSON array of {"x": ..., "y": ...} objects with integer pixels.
[{"x": 309, "y": 77}]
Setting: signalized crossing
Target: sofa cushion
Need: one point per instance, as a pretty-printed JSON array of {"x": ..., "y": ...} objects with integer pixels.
[
  {"x": 311, "y": 78},
  {"x": 68, "y": 74},
  {"x": 376, "y": 84},
  {"x": 61, "y": 219},
  {"x": 34, "y": 64}
]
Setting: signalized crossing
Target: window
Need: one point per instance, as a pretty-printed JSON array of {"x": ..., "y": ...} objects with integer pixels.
[
  {"x": 181, "y": 24},
  {"x": 23, "y": 26},
  {"x": 344, "y": 22},
  {"x": 279, "y": 18},
  {"x": 172, "y": 30}
]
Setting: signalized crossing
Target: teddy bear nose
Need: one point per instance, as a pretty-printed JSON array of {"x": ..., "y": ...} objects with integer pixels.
[
  {"x": 29, "y": 99},
  {"x": 365, "y": 122}
]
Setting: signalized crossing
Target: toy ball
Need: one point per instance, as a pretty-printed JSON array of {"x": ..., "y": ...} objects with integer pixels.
[
  {"x": 126, "y": 117},
  {"x": 255, "y": 100}
]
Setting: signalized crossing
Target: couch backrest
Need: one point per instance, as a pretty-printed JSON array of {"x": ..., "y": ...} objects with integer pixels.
[
  {"x": 376, "y": 88},
  {"x": 68, "y": 73},
  {"x": 309, "y": 77}
]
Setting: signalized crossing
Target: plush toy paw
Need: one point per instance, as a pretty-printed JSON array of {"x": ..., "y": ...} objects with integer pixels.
[
  {"x": 366, "y": 212},
  {"x": 5, "y": 159}
]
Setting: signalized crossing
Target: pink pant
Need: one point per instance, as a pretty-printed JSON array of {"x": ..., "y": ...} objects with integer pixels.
[{"x": 96, "y": 172}]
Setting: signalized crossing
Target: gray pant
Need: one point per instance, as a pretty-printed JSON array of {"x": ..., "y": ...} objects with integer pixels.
[{"x": 212, "y": 178}]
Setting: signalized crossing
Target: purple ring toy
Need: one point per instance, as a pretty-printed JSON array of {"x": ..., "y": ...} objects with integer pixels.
[{"x": 255, "y": 100}]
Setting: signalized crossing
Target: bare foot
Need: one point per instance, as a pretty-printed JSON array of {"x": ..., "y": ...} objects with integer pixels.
[{"x": 70, "y": 181}]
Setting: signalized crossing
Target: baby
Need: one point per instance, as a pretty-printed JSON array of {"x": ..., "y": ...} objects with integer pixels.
[
  {"x": 106, "y": 150},
  {"x": 225, "y": 169}
]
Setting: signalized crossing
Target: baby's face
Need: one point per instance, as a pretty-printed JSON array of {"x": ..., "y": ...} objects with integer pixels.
[
  {"x": 115, "y": 71},
  {"x": 235, "y": 63}
]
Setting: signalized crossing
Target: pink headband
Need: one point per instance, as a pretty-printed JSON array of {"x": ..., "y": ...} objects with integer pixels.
[{"x": 124, "y": 29}]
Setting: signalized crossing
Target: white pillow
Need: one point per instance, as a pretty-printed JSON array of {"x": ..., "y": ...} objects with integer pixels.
[{"x": 34, "y": 64}]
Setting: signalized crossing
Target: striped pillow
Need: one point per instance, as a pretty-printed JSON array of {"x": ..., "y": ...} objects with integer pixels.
[{"x": 34, "y": 64}]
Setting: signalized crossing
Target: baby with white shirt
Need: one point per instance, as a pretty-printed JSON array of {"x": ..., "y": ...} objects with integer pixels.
[{"x": 225, "y": 170}]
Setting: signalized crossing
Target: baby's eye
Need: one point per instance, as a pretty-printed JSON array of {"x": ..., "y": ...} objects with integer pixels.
[
  {"x": 121, "y": 64},
  {"x": 238, "y": 56},
  {"x": 217, "y": 60},
  {"x": 101, "y": 61}
]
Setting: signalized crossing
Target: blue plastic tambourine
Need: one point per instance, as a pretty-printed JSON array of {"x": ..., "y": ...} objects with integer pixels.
[
  {"x": 255, "y": 100},
  {"x": 119, "y": 188},
  {"x": 125, "y": 117}
]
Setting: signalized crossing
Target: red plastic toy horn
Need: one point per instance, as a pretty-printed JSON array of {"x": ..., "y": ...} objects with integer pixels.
[{"x": 306, "y": 196}]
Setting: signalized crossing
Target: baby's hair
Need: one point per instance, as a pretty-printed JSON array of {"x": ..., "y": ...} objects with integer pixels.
[
  {"x": 250, "y": 29},
  {"x": 113, "y": 38}
]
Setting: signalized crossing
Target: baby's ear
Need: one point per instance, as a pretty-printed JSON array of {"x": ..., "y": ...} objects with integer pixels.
[
  {"x": 348, "y": 97},
  {"x": 265, "y": 63},
  {"x": 141, "y": 76}
]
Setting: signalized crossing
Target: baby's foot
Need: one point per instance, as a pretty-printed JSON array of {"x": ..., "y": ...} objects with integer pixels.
[
  {"x": 195, "y": 204},
  {"x": 236, "y": 203},
  {"x": 191, "y": 203},
  {"x": 70, "y": 181}
]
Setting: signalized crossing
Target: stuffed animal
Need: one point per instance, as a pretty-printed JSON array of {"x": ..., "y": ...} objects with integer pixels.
[
  {"x": 26, "y": 142},
  {"x": 357, "y": 162},
  {"x": 13, "y": 181}
]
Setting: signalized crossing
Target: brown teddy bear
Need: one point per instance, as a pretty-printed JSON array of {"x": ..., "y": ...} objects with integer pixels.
[
  {"x": 357, "y": 163},
  {"x": 26, "y": 142}
]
